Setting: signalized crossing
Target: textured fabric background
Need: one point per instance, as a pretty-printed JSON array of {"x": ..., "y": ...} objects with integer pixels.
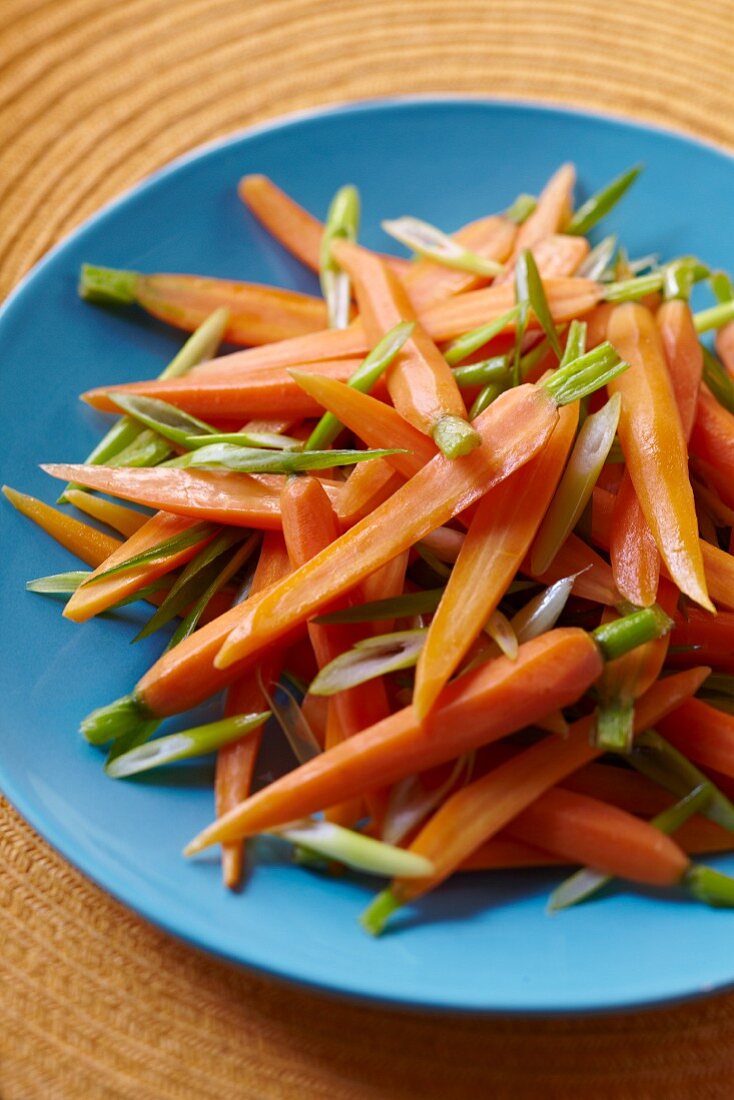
[{"x": 94, "y": 1003}]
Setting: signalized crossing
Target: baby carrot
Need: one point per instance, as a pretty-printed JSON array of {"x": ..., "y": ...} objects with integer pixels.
[
  {"x": 366, "y": 488},
  {"x": 632, "y": 550},
  {"x": 594, "y": 579},
  {"x": 125, "y": 520},
  {"x": 655, "y": 449},
  {"x": 701, "y": 638},
  {"x": 89, "y": 544},
  {"x": 552, "y": 213},
  {"x": 427, "y": 281},
  {"x": 703, "y": 733},
  {"x": 712, "y": 439},
  {"x": 683, "y": 356}
]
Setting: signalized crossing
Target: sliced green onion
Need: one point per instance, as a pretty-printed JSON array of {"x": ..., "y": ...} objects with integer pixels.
[
  {"x": 584, "y": 375},
  {"x": 361, "y": 853},
  {"x": 147, "y": 449},
  {"x": 521, "y": 208},
  {"x": 710, "y": 886},
  {"x": 718, "y": 380},
  {"x": 58, "y": 584},
  {"x": 721, "y": 285},
  {"x": 680, "y": 275},
  {"x": 370, "y": 658},
  {"x": 182, "y": 746},
  {"x": 643, "y": 263},
  {"x": 716, "y": 317},
  {"x": 216, "y": 582},
  {"x": 598, "y": 206},
  {"x": 485, "y": 398},
  {"x": 342, "y": 223},
  {"x": 577, "y": 483},
  {"x": 482, "y": 374},
  {"x": 118, "y": 719},
  {"x": 599, "y": 259},
  {"x": 364, "y": 378},
  {"x": 530, "y": 294},
  {"x": 631, "y": 290},
  {"x": 270, "y": 440},
  {"x": 664, "y": 764},
  {"x": 411, "y": 802},
  {"x": 396, "y": 607},
  {"x": 252, "y": 460},
  {"x": 161, "y": 417},
  {"x": 575, "y": 342},
  {"x": 434, "y": 244},
  {"x": 291, "y": 719},
  {"x": 502, "y": 633},
  {"x": 543, "y": 612},
  {"x": 464, "y": 346},
  {"x": 165, "y": 549}
]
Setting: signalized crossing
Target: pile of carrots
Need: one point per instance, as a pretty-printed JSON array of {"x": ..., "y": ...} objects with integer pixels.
[{"x": 462, "y": 525}]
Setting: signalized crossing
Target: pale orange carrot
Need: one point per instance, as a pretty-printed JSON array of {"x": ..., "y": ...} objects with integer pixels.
[
  {"x": 427, "y": 281},
  {"x": 368, "y": 486},
  {"x": 86, "y": 542},
  {"x": 125, "y": 520},
  {"x": 553, "y": 211},
  {"x": 556, "y": 255}
]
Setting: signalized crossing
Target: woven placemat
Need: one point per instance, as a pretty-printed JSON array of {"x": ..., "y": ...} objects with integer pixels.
[{"x": 94, "y": 1002}]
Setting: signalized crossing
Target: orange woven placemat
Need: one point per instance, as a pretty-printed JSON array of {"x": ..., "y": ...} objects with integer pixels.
[{"x": 93, "y": 1001}]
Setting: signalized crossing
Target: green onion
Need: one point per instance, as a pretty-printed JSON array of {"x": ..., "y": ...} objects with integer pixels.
[
  {"x": 599, "y": 205},
  {"x": 396, "y": 607},
  {"x": 575, "y": 342},
  {"x": 680, "y": 276},
  {"x": 165, "y": 549},
  {"x": 370, "y": 658},
  {"x": 502, "y": 633},
  {"x": 577, "y": 483},
  {"x": 660, "y": 761},
  {"x": 716, "y": 317},
  {"x": 455, "y": 436},
  {"x": 710, "y": 886},
  {"x": 584, "y": 375},
  {"x": 597, "y": 262},
  {"x": 115, "y": 720},
  {"x": 58, "y": 584},
  {"x": 147, "y": 449},
  {"x": 543, "y": 612},
  {"x": 410, "y": 802},
  {"x": 342, "y": 223},
  {"x": 291, "y": 719},
  {"x": 359, "y": 852},
  {"x": 463, "y": 346},
  {"x": 270, "y": 440},
  {"x": 521, "y": 208},
  {"x": 621, "y": 635},
  {"x": 161, "y": 417},
  {"x": 254, "y": 460},
  {"x": 721, "y": 285},
  {"x": 631, "y": 290},
  {"x": 482, "y": 374},
  {"x": 190, "y": 621},
  {"x": 182, "y": 746},
  {"x": 718, "y": 381},
  {"x": 428, "y": 241},
  {"x": 485, "y": 398},
  {"x": 530, "y": 294},
  {"x": 363, "y": 379}
]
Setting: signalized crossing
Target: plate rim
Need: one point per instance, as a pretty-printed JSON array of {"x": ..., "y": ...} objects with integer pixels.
[{"x": 33, "y": 811}]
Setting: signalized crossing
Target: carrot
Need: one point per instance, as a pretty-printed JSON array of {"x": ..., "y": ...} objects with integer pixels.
[
  {"x": 683, "y": 356},
  {"x": 210, "y": 395},
  {"x": 427, "y": 281},
  {"x": 712, "y": 439},
  {"x": 655, "y": 449},
  {"x": 386, "y": 582},
  {"x": 420, "y": 381},
  {"x": 257, "y": 314},
  {"x": 622, "y": 787},
  {"x": 221, "y": 496},
  {"x": 597, "y": 323},
  {"x": 703, "y": 733},
  {"x": 594, "y": 580},
  {"x": 368, "y": 486},
  {"x": 632, "y": 549},
  {"x": 584, "y": 830},
  {"x": 474, "y": 814},
  {"x": 701, "y": 638},
  {"x": 86, "y": 542},
  {"x": 125, "y": 520},
  {"x": 552, "y": 212},
  {"x": 287, "y": 221},
  {"x": 437, "y": 492},
  {"x": 236, "y": 761},
  {"x": 499, "y": 536},
  {"x": 95, "y": 596},
  {"x": 556, "y": 255}
]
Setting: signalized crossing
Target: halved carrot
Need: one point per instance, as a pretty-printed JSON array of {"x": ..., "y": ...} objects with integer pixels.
[
  {"x": 556, "y": 255},
  {"x": 236, "y": 761},
  {"x": 655, "y": 449},
  {"x": 552, "y": 212},
  {"x": 427, "y": 281},
  {"x": 499, "y": 536},
  {"x": 125, "y": 520},
  {"x": 622, "y": 787},
  {"x": 703, "y": 733},
  {"x": 632, "y": 549},
  {"x": 89, "y": 544},
  {"x": 368, "y": 486},
  {"x": 683, "y": 356},
  {"x": 701, "y": 638},
  {"x": 594, "y": 580},
  {"x": 597, "y": 323},
  {"x": 222, "y": 496},
  {"x": 712, "y": 439},
  {"x": 95, "y": 596},
  {"x": 386, "y": 582},
  {"x": 437, "y": 492}
]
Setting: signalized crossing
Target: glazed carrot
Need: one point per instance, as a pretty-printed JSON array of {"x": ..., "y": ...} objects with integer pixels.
[
  {"x": 420, "y": 381},
  {"x": 594, "y": 580},
  {"x": 552, "y": 212},
  {"x": 703, "y": 733},
  {"x": 655, "y": 449},
  {"x": 368, "y": 486},
  {"x": 683, "y": 356},
  {"x": 236, "y": 761},
  {"x": 478, "y": 811},
  {"x": 712, "y": 439},
  {"x": 499, "y": 536},
  {"x": 221, "y": 496},
  {"x": 556, "y": 255},
  {"x": 597, "y": 322},
  {"x": 95, "y": 596},
  {"x": 218, "y": 393},
  {"x": 437, "y": 492},
  {"x": 125, "y": 520},
  {"x": 622, "y": 787},
  {"x": 427, "y": 281},
  {"x": 586, "y": 831},
  {"x": 632, "y": 550},
  {"x": 386, "y": 582},
  {"x": 287, "y": 221},
  {"x": 89, "y": 544},
  {"x": 257, "y": 314},
  {"x": 701, "y": 638}
]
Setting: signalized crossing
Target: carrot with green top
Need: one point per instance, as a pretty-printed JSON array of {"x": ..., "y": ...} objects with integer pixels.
[
  {"x": 482, "y": 706},
  {"x": 236, "y": 760},
  {"x": 439, "y": 491},
  {"x": 476, "y": 813},
  {"x": 655, "y": 449},
  {"x": 86, "y": 542},
  {"x": 498, "y": 538},
  {"x": 420, "y": 381}
]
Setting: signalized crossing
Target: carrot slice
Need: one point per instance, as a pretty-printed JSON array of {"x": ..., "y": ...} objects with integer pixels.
[
  {"x": 712, "y": 439},
  {"x": 552, "y": 212},
  {"x": 701, "y": 638},
  {"x": 683, "y": 356},
  {"x": 703, "y": 733},
  {"x": 125, "y": 520},
  {"x": 89, "y": 544},
  {"x": 594, "y": 581},
  {"x": 499, "y": 536},
  {"x": 368, "y": 486},
  {"x": 632, "y": 549},
  {"x": 655, "y": 449},
  {"x": 556, "y": 255}
]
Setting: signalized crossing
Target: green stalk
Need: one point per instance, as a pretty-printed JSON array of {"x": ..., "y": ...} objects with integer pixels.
[
  {"x": 599, "y": 205},
  {"x": 620, "y": 636},
  {"x": 575, "y": 342},
  {"x": 681, "y": 275},
  {"x": 258, "y": 460},
  {"x": 342, "y": 223},
  {"x": 521, "y": 208},
  {"x": 715, "y": 317},
  {"x": 717, "y": 379},
  {"x": 269, "y": 440},
  {"x": 379, "y": 911},
  {"x": 614, "y": 727},
  {"x": 182, "y": 746},
  {"x": 455, "y": 436},
  {"x": 396, "y": 607},
  {"x": 721, "y": 285},
  {"x": 584, "y": 375},
  {"x": 530, "y": 294},
  {"x": 432, "y": 243},
  {"x": 485, "y": 398},
  {"x": 147, "y": 449},
  {"x": 108, "y": 285},
  {"x": 361, "y": 853},
  {"x": 482, "y": 374},
  {"x": 363, "y": 379},
  {"x": 465, "y": 345},
  {"x": 117, "y": 719},
  {"x": 660, "y": 761},
  {"x": 709, "y": 886},
  {"x": 631, "y": 290}
]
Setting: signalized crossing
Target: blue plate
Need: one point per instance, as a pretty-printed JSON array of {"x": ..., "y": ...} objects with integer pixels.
[{"x": 483, "y": 942}]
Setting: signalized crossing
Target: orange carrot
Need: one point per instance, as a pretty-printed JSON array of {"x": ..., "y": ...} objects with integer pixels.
[
  {"x": 703, "y": 733},
  {"x": 89, "y": 544},
  {"x": 125, "y": 520},
  {"x": 499, "y": 536},
  {"x": 221, "y": 496},
  {"x": 712, "y": 439},
  {"x": 655, "y": 449},
  {"x": 488, "y": 703},
  {"x": 427, "y": 281},
  {"x": 289, "y": 223},
  {"x": 552, "y": 212},
  {"x": 632, "y": 550},
  {"x": 436, "y": 493},
  {"x": 724, "y": 344},
  {"x": 622, "y": 787},
  {"x": 597, "y": 322},
  {"x": 95, "y": 596},
  {"x": 700, "y": 638},
  {"x": 683, "y": 356},
  {"x": 236, "y": 761},
  {"x": 594, "y": 580},
  {"x": 368, "y": 486},
  {"x": 386, "y": 582},
  {"x": 420, "y": 381},
  {"x": 556, "y": 255}
]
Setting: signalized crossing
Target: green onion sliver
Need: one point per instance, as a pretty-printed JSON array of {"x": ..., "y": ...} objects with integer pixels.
[
  {"x": 164, "y": 549},
  {"x": 721, "y": 285},
  {"x": 58, "y": 584},
  {"x": 370, "y": 658},
  {"x": 664, "y": 764},
  {"x": 598, "y": 205},
  {"x": 396, "y": 607},
  {"x": 251, "y": 460},
  {"x": 161, "y": 417},
  {"x": 361, "y": 853},
  {"x": 718, "y": 380},
  {"x": 716, "y": 317},
  {"x": 216, "y": 582},
  {"x": 530, "y": 294},
  {"x": 543, "y": 611},
  {"x": 291, "y": 719},
  {"x": 342, "y": 222},
  {"x": 270, "y": 440},
  {"x": 469, "y": 342},
  {"x": 597, "y": 263},
  {"x": 181, "y": 746},
  {"x": 434, "y": 244}
]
